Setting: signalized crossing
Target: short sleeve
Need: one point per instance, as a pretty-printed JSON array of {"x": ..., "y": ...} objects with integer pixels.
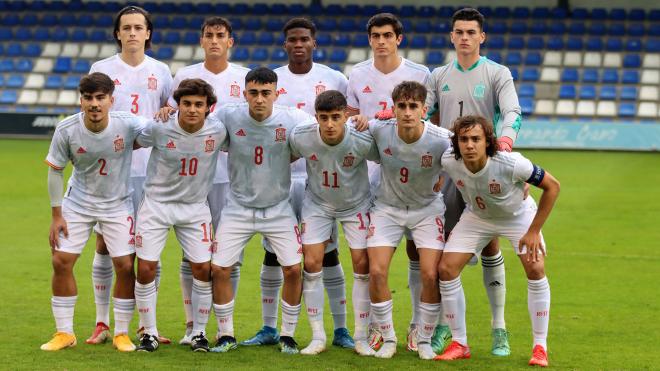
[
  {"x": 293, "y": 145},
  {"x": 523, "y": 169},
  {"x": 351, "y": 96},
  {"x": 146, "y": 136},
  {"x": 137, "y": 126},
  {"x": 58, "y": 153}
]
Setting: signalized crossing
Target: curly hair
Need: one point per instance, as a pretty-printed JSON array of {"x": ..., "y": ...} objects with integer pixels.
[{"x": 464, "y": 123}]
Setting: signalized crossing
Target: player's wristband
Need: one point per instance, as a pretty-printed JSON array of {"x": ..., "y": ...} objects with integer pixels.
[
  {"x": 537, "y": 176},
  {"x": 505, "y": 144}
]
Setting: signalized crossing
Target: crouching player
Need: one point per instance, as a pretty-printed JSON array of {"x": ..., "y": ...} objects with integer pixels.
[
  {"x": 99, "y": 144},
  {"x": 179, "y": 177},
  {"x": 337, "y": 190},
  {"x": 410, "y": 150},
  {"x": 491, "y": 184}
]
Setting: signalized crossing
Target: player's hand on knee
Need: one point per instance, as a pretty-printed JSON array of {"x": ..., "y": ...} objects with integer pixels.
[
  {"x": 164, "y": 113},
  {"x": 58, "y": 225},
  {"x": 535, "y": 249},
  {"x": 438, "y": 185},
  {"x": 360, "y": 122}
]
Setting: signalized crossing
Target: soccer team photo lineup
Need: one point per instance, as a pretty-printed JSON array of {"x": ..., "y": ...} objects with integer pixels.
[{"x": 390, "y": 160}]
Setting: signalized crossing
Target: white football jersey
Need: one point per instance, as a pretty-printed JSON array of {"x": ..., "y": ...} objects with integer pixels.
[
  {"x": 182, "y": 164},
  {"x": 495, "y": 191},
  {"x": 259, "y": 153},
  {"x": 370, "y": 90},
  {"x": 99, "y": 184},
  {"x": 409, "y": 171},
  {"x": 228, "y": 87},
  {"x": 141, "y": 90},
  {"x": 337, "y": 177}
]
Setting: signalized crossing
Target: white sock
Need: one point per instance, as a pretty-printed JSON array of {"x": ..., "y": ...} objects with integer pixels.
[
  {"x": 313, "y": 295},
  {"x": 428, "y": 317},
  {"x": 157, "y": 280},
  {"x": 202, "y": 299},
  {"x": 123, "y": 309},
  {"x": 145, "y": 301},
  {"x": 361, "y": 305},
  {"x": 335, "y": 285},
  {"x": 538, "y": 304},
  {"x": 382, "y": 314},
  {"x": 186, "y": 282},
  {"x": 102, "y": 281},
  {"x": 224, "y": 313},
  {"x": 453, "y": 305},
  {"x": 63, "y": 308},
  {"x": 290, "y": 314},
  {"x": 271, "y": 281},
  {"x": 235, "y": 277},
  {"x": 442, "y": 320},
  {"x": 495, "y": 284},
  {"x": 415, "y": 284}
]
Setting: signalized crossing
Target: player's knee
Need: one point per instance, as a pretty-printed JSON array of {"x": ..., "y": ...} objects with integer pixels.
[
  {"x": 331, "y": 259},
  {"x": 101, "y": 247},
  {"x": 292, "y": 272},
  {"x": 429, "y": 277},
  {"x": 377, "y": 275},
  {"x": 62, "y": 264},
  {"x": 313, "y": 263},
  {"x": 124, "y": 266},
  {"x": 446, "y": 272},
  {"x": 361, "y": 265},
  {"x": 201, "y": 271},
  {"x": 220, "y": 273},
  {"x": 536, "y": 271},
  {"x": 491, "y": 249},
  {"x": 270, "y": 259},
  {"x": 146, "y": 271}
]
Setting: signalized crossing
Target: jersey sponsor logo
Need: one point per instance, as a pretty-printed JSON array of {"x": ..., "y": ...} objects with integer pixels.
[
  {"x": 281, "y": 91},
  {"x": 280, "y": 134},
  {"x": 445, "y": 88},
  {"x": 366, "y": 89},
  {"x": 116, "y": 82},
  {"x": 388, "y": 151},
  {"x": 460, "y": 183},
  {"x": 152, "y": 83},
  {"x": 313, "y": 157},
  {"x": 234, "y": 90},
  {"x": 170, "y": 144},
  {"x": 81, "y": 150},
  {"x": 494, "y": 187},
  {"x": 209, "y": 144},
  {"x": 427, "y": 160},
  {"x": 138, "y": 240},
  {"x": 119, "y": 144},
  {"x": 320, "y": 88},
  {"x": 240, "y": 133},
  {"x": 479, "y": 91},
  {"x": 348, "y": 160}
]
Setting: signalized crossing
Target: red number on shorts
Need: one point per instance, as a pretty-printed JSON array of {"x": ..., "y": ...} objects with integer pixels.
[
  {"x": 480, "y": 202},
  {"x": 131, "y": 229},
  {"x": 300, "y": 105},
  {"x": 297, "y": 230},
  {"x": 326, "y": 179},
  {"x": 258, "y": 155},
  {"x": 206, "y": 234},
  {"x": 383, "y": 105},
  {"x": 134, "y": 105},
  {"x": 102, "y": 170},
  {"x": 191, "y": 168},
  {"x": 362, "y": 227},
  {"x": 404, "y": 175},
  {"x": 441, "y": 228}
]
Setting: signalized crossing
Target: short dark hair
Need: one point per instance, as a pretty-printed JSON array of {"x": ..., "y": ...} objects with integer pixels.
[
  {"x": 131, "y": 9},
  {"x": 95, "y": 82},
  {"x": 409, "y": 90},
  {"x": 467, "y": 122},
  {"x": 299, "y": 22},
  {"x": 330, "y": 100},
  {"x": 216, "y": 21},
  {"x": 261, "y": 75},
  {"x": 468, "y": 14},
  {"x": 195, "y": 87},
  {"x": 383, "y": 19}
]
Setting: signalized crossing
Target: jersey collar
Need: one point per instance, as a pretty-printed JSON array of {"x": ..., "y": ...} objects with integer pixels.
[{"x": 458, "y": 66}]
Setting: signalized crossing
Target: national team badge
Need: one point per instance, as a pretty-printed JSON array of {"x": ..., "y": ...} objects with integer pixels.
[
  {"x": 494, "y": 187},
  {"x": 479, "y": 91},
  {"x": 348, "y": 160},
  {"x": 138, "y": 240},
  {"x": 427, "y": 160},
  {"x": 280, "y": 134},
  {"x": 320, "y": 88},
  {"x": 313, "y": 157},
  {"x": 234, "y": 90},
  {"x": 388, "y": 151},
  {"x": 152, "y": 83},
  {"x": 209, "y": 144},
  {"x": 460, "y": 183},
  {"x": 119, "y": 144}
]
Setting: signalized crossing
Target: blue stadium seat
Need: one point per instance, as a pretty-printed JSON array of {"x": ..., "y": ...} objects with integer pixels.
[
  {"x": 516, "y": 42},
  {"x": 636, "y": 14},
  {"x": 514, "y": 73},
  {"x": 7, "y": 65},
  {"x": 297, "y": 9},
  {"x": 49, "y": 20},
  {"x": 24, "y": 65},
  {"x": 628, "y": 93},
  {"x": 172, "y": 37},
  {"x": 580, "y": 13},
  {"x": 195, "y": 23},
  {"x": 541, "y": 13},
  {"x": 407, "y": 11},
  {"x": 442, "y": 27},
  {"x": 79, "y": 35},
  {"x": 327, "y": 24},
  {"x": 341, "y": 39},
  {"x": 533, "y": 59},
  {"x": 521, "y": 12},
  {"x": 104, "y": 21},
  {"x": 334, "y": 10},
  {"x": 439, "y": 42},
  {"x": 260, "y": 9},
  {"x": 53, "y": 82},
  {"x": 265, "y": 38},
  {"x": 555, "y": 44},
  {"x": 630, "y": 77},
  {"x": 2, "y": 49},
  {"x": 496, "y": 27},
  {"x": 11, "y": 20},
  {"x": 29, "y": 19},
  {"x": 2, "y": 81},
  {"x": 594, "y": 44},
  {"x": 608, "y": 92},
  {"x": 41, "y": 34},
  {"x": 518, "y": 28},
  {"x": 62, "y": 65},
  {"x": 652, "y": 45},
  {"x": 319, "y": 55},
  {"x": 150, "y": 52},
  {"x": 161, "y": 22},
  {"x": 85, "y": 20},
  {"x": 252, "y": 66},
  {"x": 530, "y": 74},
  {"x": 557, "y": 28},
  {"x": 323, "y": 39},
  {"x": 191, "y": 37},
  {"x": 23, "y": 34},
  {"x": 590, "y": 75},
  {"x": 617, "y": 14},
  {"x": 253, "y": 24},
  {"x": 495, "y": 42},
  {"x": 502, "y": 12},
  {"x": 59, "y": 34},
  {"x": 558, "y": 13},
  {"x": 588, "y": 92},
  {"x": 610, "y": 76},
  {"x": 347, "y": 25},
  {"x": 527, "y": 90},
  {"x": 632, "y": 61},
  {"x": 82, "y": 65},
  {"x": 338, "y": 56},
  {"x": 654, "y": 15},
  {"x": 535, "y": 43},
  {"x": 574, "y": 43},
  {"x": 626, "y": 109},
  {"x": 32, "y": 50},
  {"x": 247, "y": 38},
  {"x": 6, "y": 34},
  {"x": 494, "y": 56},
  {"x": 15, "y": 81},
  {"x": 569, "y": 75},
  {"x": 68, "y": 20},
  {"x": 361, "y": 40},
  {"x": 417, "y": 42},
  {"x": 577, "y": 28},
  {"x": 99, "y": 35},
  {"x": 634, "y": 45},
  {"x": 597, "y": 29},
  {"x": 8, "y": 97},
  {"x": 240, "y": 54},
  {"x": 538, "y": 28},
  {"x": 616, "y": 29},
  {"x": 14, "y": 50},
  {"x": 422, "y": 26},
  {"x": 513, "y": 59},
  {"x": 599, "y": 13},
  {"x": 434, "y": 57},
  {"x": 259, "y": 54},
  {"x": 274, "y": 25},
  {"x": 567, "y": 92},
  {"x": 446, "y": 11},
  {"x": 279, "y": 55},
  {"x": 240, "y": 9},
  {"x": 614, "y": 44}
]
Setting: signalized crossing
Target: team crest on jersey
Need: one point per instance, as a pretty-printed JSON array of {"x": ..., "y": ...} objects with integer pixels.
[
  {"x": 280, "y": 134},
  {"x": 460, "y": 183},
  {"x": 494, "y": 187},
  {"x": 138, "y": 240},
  {"x": 209, "y": 144},
  {"x": 366, "y": 89},
  {"x": 152, "y": 83},
  {"x": 234, "y": 90},
  {"x": 348, "y": 160},
  {"x": 388, "y": 151},
  {"x": 119, "y": 144},
  {"x": 281, "y": 91},
  {"x": 320, "y": 88},
  {"x": 479, "y": 91},
  {"x": 313, "y": 157},
  {"x": 170, "y": 144},
  {"x": 427, "y": 160}
]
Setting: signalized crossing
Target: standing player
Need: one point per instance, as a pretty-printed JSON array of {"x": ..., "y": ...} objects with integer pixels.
[
  {"x": 370, "y": 87},
  {"x": 99, "y": 144},
  {"x": 227, "y": 80},
  {"x": 299, "y": 83},
  {"x": 142, "y": 86},
  {"x": 474, "y": 85},
  {"x": 338, "y": 190},
  {"x": 179, "y": 177},
  {"x": 410, "y": 150},
  {"x": 492, "y": 185},
  {"x": 260, "y": 179}
]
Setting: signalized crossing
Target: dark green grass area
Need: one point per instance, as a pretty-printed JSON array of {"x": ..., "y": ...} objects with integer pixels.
[{"x": 603, "y": 267}]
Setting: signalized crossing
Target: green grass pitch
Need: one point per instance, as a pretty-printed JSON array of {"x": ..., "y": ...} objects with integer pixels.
[{"x": 603, "y": 265}]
